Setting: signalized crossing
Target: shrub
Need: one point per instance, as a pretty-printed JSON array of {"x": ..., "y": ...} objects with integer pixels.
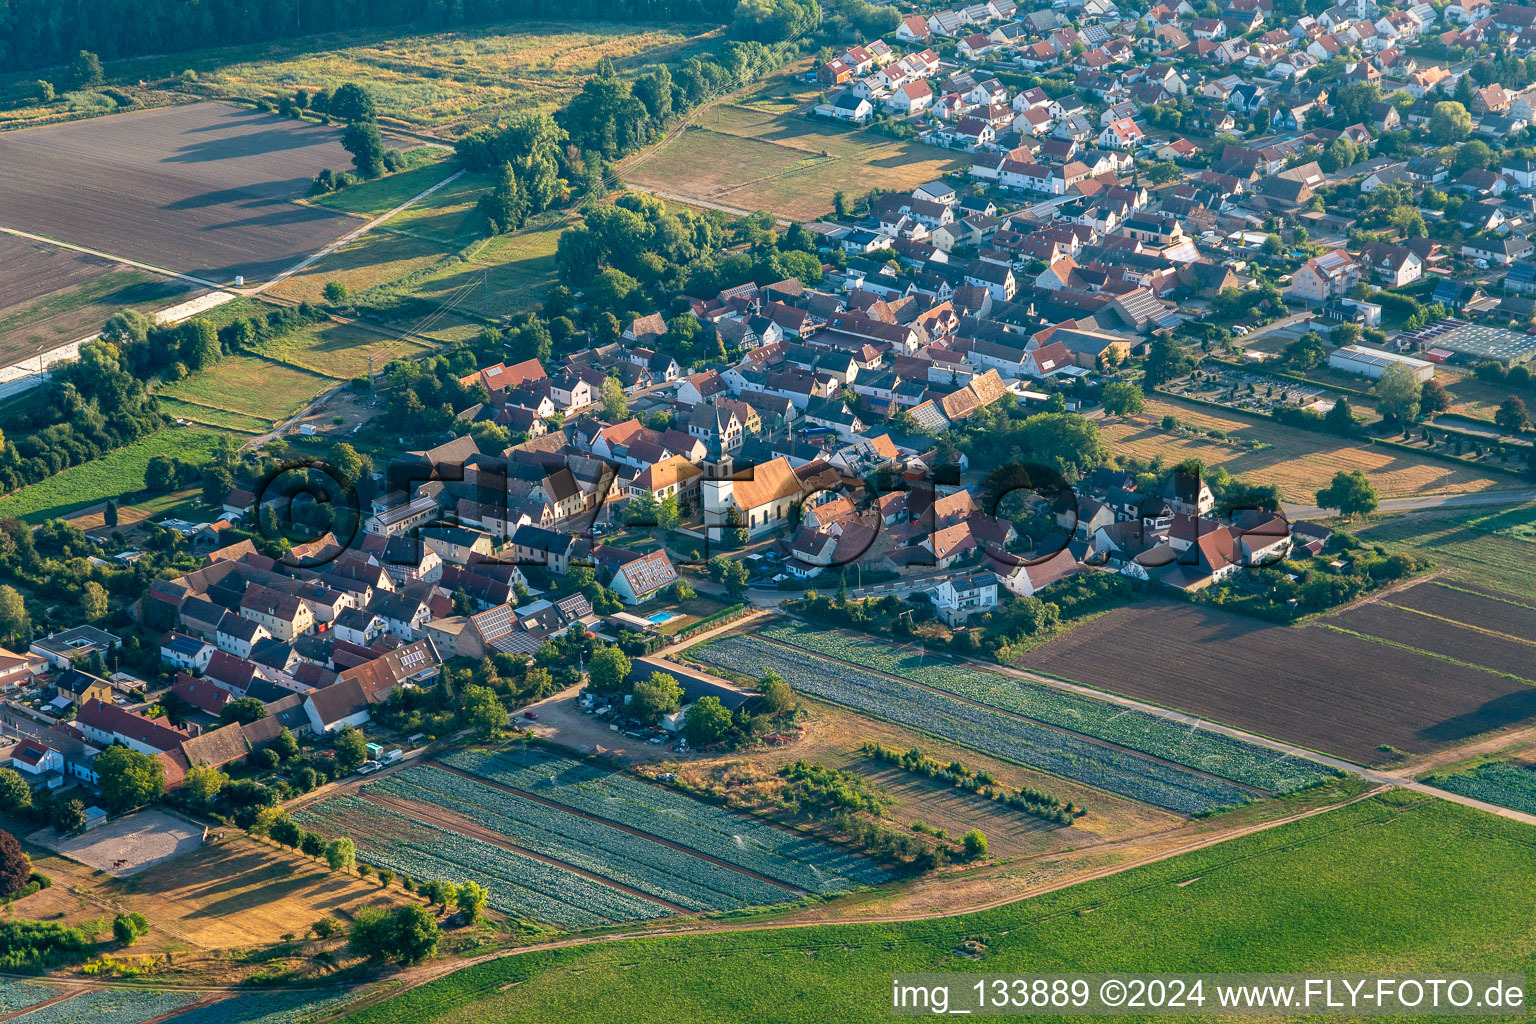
[{"x": 127, "y": 928}]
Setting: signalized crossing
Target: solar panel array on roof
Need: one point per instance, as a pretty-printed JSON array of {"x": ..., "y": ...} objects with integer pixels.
[{"x": 1478, "y": 340}]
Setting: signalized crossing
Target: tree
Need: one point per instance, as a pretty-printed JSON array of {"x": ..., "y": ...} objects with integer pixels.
[
  {"x": 1351, "y": 493},
  {"x": 363, "y": 141},
  {"x": 351, "y": 749},
  {"x": 1511, "y": 416},
  {"x": 1449, "y": 122},
  {"x": 839, "y": 205},
  {"x": 1163, "y": 173},
  {"x": 1166, "y": 360},
  {"x": 350, "y": 464},
  {"x": 15, "y": 794},
  {"x": 608, "y": 670},
  {"x": 505, "y": 207},
  {"x": 335, "y": 292},
  {"x": 13, "y": 612},
  {"x": 1397, "y": 394},
  {"x": 15, "y": 866},
  {"x": 470, "y": 900},
  {"x": 707, "y": 721},
  {"x": 109, "y": 515},
  {"x": 975, "y": 842},
  {"x": 340, "y": 854},
  {"x": 615, "y": 406},
  {"x": 129, "y": 778},
  {"x": 1306, "y": 351},
  {"x": 351, "y": 102},
  {"x": 43, "y": 91},
  {"x": 85, "y": 70},
  {"x": 244, "y": 710},
  {"x": 312, "y": 844},
  {"x": 93, "y": 601},
  {"x": 203, "y": 783},
  {"x": 127, "y": 928},
  {"x": 67, "y": 816},
  {"x": 1122, "y": 399},
  {"x": 217, "y": 482},
  {"x": 1340, "y": 419},
  {"x": 1433, "y": 398},
  {"x": 657, "y": 695},
  {"x": 483, "y": 712},
  {"x": 285, "y": 745},
  {"x": 776, "y": 694}
]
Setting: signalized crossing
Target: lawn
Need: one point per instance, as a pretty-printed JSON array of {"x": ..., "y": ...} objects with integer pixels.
[
  {"x": 114, "y": 475},
  {"x": 1298, "y": 461},
  {"x": 773, "y": 159},
  {"x": 1396, "y": 884},
  {"x": 467, "y": 77}
]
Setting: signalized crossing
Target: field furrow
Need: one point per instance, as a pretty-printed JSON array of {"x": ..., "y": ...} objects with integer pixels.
[
  {"x": 984, "y": 729},
  {"x": 1194, "y": 748}
]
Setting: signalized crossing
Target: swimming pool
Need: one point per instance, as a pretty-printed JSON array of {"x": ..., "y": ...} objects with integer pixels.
[{"x": 657, "y": 618}]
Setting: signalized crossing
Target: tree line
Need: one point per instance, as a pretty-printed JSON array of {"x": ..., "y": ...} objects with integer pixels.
[{"x": 40, "y": 33}]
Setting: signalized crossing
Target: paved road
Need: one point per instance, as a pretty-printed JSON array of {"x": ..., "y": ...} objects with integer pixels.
[{"x": 1519, "y": 496}]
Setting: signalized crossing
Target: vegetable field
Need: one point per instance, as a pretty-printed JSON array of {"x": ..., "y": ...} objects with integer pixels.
[
  {"x": 18, "y": 995},
  {"x": 266, "y": 1008},
  {"x": 1199, "y": 749},
  {"x": 519, "y": 885},
  {"x": 110, "y": 1006},
  {"x": 655, "y": 869},
  {"x": 724, "y": 835},
  {"x": 1504, "y": 784},
  {"x": 983, "y": 728}
]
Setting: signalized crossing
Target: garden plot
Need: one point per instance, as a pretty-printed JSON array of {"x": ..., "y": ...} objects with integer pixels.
[
  {"x": 733, "y": 838},
  {"x": 18, "y": 995},
  {"x": 264, "y": 1008},
  {"x": 1199, "y": 749},
  {"x": 518, "y": 885},
  {"x": 985, "y": 729},
  {"x": 652, "y": 868}
]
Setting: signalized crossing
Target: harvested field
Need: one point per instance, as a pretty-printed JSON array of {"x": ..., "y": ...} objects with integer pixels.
[
  {"x": 1300, "y": 462},
  {"x": 1485, "y": 609},
  {"x": 201, "y": 189},
  {"x": 51, "y": 296},
  {"x": 1427, "y": 632},
  {"x": 1309, "y": 685},
  {"x": 128, "y": 845},
  {"x": 759, "y": 160}
]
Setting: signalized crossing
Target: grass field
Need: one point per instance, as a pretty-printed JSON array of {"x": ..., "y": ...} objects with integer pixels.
[
  {"x": 447, "y": 215},
  {"x": 252, "y": 386},
  {"x": 1298, "y": 461},
  {"x": 769, "y": 158},
  {"x": 114, "y": 475},
  {"x": 1391, "y": 884},
  {"x": 501, "y": 276},
  {"x": 470, "y": 76},
  {"x": 1495, "y": 548}
]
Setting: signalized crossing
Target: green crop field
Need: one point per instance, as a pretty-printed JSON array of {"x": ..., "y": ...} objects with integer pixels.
[
  {"x": 1493, "y": 547},
  {"x": 1396, "y": 884},
  {"x": 502, "y": 275},
  {"x": 114, "y": 475}
]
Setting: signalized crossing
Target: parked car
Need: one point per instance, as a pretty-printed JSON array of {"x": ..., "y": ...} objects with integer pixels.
[
  {"x": 531, "y": 714},
  {"x": 369, "y": 767}
]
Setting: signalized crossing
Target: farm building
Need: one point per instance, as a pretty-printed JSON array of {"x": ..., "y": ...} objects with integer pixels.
[{"x": 1373, "y": 363}]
